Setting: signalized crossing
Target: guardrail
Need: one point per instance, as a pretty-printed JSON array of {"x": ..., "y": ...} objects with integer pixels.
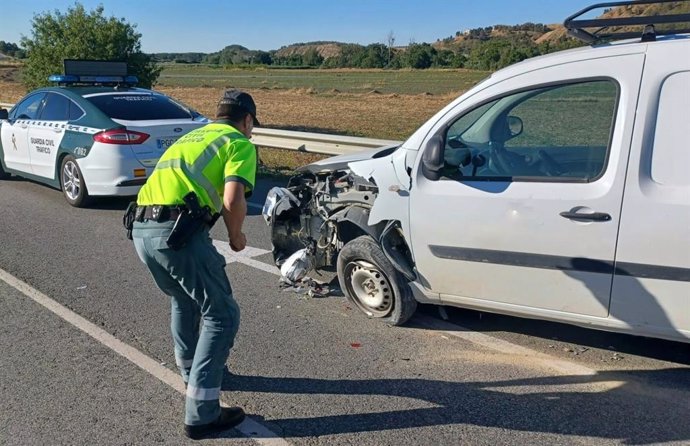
[
  {"x": 315, "y": 142},
  {"x": 320, "y": 143}
]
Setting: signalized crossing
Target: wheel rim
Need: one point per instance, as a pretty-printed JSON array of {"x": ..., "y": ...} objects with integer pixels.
[
  {"x": 369, "y": 287},
  {"x": 71, "y": 182}
]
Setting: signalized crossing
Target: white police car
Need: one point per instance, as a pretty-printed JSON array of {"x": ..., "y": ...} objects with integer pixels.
[{"x": 94, "y": 134}]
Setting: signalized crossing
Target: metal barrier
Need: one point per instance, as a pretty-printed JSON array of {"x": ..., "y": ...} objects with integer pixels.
[
  {"x": 320, "y": 143},
  {"x": 315, "y": 142}
]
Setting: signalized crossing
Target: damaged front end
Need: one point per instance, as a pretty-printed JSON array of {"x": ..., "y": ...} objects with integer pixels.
[
  {"x": 349, "y": 214},
  {"x": 317, "y": 214}
]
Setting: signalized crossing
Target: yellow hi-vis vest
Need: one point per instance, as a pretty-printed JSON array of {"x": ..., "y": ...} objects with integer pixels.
[{"x": 202, "y": 161}]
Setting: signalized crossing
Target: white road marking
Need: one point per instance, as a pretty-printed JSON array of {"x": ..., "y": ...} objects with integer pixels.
[
  {"x": 245, "y": 256},
  {"x": 448, "y": 328},
  {"x": 249, "y": 427}
]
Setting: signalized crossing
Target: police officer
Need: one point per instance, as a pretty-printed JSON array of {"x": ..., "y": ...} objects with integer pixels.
[{"x": 216, "y": 166}]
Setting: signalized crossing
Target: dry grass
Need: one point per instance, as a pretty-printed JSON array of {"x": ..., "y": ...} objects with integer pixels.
[{"x": 371, "y": 115}]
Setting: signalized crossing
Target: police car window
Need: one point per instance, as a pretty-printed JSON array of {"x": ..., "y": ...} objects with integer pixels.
[
  {"x": 28, "y": 108},
  {"x": 56, "y": 108},
  {"x": 75, "y": 112},
  {"x": 137, "y": 107}
]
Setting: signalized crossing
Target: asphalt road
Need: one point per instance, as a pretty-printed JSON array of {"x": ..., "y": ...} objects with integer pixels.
[{"x": 308, "y": 371}]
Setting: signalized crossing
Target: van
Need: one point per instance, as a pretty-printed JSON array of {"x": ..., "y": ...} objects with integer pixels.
[{"x": 556, "y": 189}]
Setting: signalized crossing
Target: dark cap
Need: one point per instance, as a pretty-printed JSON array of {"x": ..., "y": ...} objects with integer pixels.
[{"x": 240, "y": 99}]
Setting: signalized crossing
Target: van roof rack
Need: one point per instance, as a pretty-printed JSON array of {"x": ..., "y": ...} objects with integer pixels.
[{"x": 575, "y": 26}]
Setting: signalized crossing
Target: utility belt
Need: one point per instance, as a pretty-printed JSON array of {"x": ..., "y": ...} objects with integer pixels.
[
  {"x": 189, "y": 218},
  {"x": 159, "y": 213}
]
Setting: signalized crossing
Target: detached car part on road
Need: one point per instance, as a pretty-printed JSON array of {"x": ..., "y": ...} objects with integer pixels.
[
  {"x": 510, "y": 199},
  {"x": 93, "y": 135}
]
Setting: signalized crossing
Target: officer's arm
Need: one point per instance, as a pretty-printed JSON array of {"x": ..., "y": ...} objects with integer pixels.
[{"x": 234, "y": 211}]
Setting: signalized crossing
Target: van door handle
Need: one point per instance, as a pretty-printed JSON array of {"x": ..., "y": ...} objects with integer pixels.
[{"x": 594, "y": 216}]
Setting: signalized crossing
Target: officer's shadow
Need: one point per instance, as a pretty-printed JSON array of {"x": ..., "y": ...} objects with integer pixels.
[
  {"x": 626, "y": 299},
  {"x": 615, "y": 405}
]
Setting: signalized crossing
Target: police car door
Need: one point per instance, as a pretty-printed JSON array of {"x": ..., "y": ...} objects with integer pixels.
[
  {"x": 15, "y": 133},
  {"x": 46, "y": 133},
  {"x": 545, "y": 147}
]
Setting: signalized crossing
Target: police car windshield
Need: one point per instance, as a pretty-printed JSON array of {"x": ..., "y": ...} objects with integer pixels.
[{"x": 139, "y": 107}]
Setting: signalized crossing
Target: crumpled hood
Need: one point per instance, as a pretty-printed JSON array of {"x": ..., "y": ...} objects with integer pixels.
[{"x": 342, "y": 161}]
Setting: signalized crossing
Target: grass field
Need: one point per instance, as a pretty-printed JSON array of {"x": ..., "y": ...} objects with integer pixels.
[{"x": 405, "y": 82}]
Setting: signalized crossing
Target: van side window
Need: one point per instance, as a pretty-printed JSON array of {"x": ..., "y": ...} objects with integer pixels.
[
  {"x": 671, "y": 153},
  {"x": 554, "y": 133}
]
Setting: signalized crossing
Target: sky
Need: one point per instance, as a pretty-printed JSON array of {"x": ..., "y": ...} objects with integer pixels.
[{"x": 207, "y": 26}]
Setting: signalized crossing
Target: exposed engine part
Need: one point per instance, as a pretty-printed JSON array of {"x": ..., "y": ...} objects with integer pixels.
[{"x": 307, "y": 214}]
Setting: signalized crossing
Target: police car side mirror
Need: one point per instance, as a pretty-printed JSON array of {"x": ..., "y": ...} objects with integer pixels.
[
  {"x": 432, "y": 158},
  {"x": 4, "y": 114}
]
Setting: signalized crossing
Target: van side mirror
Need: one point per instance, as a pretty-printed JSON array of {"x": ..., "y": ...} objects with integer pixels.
[
  {"x": 432, "y": 158},
  {"x": 514, "y": 126},
  {"x": 4, "y": 114}
]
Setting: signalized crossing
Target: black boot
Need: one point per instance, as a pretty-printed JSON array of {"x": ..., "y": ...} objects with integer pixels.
[{"x": 229, "y": 417}]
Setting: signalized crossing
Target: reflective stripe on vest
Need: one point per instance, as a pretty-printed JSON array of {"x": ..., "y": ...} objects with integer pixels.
[{"x": 195, "y": 171}]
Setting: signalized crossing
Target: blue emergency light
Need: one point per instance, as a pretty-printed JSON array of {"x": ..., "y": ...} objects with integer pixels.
[{"x": 65, "y": 79}]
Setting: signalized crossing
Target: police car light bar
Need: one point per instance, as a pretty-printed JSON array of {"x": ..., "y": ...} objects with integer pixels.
[
  {"x": 94, "y": 72},
  {"x": 65, "y": 79}
]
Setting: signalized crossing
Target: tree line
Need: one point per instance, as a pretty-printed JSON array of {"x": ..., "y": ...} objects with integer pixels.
[
  {"x": 478, "y": 50},
  {"x": 12, "y": 50}
]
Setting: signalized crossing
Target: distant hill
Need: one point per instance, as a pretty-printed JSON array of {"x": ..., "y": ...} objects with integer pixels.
[
  {"x": 323, "y": 49},
  {"x": 556, "y": 33},
  {"x": 487, "y": 48}
]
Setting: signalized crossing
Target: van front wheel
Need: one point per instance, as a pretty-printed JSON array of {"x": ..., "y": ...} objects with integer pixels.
[{"x": 371, "y": 282}]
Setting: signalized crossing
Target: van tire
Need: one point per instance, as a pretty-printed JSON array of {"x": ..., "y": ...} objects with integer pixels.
[{"x": 372, "y": 284}]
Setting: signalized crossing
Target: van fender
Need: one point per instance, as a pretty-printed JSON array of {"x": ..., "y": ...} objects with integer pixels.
[{"x": 387, "y": 233}]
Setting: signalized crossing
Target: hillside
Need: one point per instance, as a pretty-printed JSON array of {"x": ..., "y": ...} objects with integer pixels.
[
  {"x": 323, "y": 49},
  {"x": 556, "y": 33}
]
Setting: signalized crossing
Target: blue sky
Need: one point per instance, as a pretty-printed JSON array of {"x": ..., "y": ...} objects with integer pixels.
[{"x": 208, "y": 26}]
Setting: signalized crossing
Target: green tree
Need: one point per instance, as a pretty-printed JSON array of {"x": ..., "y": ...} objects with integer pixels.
[
  {"x": 79, "y": 34},
  {"x": 351, "y": 56},
  {"x": 420, "y": 55},
  {"x": 312, "y": 58},
  {"x": 376, "y": 56}
]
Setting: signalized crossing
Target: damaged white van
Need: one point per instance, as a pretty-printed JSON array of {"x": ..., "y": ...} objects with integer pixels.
[{"x": 558, "y": 189}]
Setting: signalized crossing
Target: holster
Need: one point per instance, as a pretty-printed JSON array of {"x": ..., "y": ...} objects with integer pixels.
[
  {"x": 129, "y": 217},
  {"x": 185, "y": 226},
  {"x": 191, "y": 220}
]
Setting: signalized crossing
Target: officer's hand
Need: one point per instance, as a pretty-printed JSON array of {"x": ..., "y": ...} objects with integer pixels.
[{"x": 239, "y": 242}]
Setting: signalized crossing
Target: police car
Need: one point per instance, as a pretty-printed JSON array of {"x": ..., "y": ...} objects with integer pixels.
[{"x": 94, "y": 134}]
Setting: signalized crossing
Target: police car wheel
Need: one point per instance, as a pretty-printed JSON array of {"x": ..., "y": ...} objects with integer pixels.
[
  {"x": 72, "y": 183},
  {"x": 373, "y": 284}
]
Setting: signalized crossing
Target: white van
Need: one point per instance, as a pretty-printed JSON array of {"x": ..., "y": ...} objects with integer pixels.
[{"x": 558, "y": 189}]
